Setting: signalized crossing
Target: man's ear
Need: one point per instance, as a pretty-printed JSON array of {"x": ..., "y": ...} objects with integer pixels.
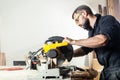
[{"x": 84, "y": 13}]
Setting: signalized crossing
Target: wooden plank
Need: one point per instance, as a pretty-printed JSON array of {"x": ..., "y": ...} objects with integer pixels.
[
  {"x": 113, "y": 7},
  {"x": 2, "y": 59}
]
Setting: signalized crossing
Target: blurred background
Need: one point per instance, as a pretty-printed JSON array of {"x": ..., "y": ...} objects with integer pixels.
[{"x": 26, "y": 24}]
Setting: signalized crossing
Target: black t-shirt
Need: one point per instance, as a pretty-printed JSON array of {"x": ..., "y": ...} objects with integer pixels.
[{"x": 108, "y": 55}]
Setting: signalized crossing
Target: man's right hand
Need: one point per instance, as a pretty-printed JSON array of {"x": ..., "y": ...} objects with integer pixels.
[{"x": 69, "y": 40}]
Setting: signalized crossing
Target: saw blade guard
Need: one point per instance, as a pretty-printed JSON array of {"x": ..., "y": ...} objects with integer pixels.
[{"x": 66, "y": 51}]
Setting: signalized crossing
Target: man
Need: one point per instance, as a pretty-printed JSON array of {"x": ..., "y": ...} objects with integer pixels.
[{"x": 104, "y": 39}]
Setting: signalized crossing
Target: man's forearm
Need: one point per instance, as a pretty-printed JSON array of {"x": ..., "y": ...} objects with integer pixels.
[
  {"x": 92, "y": 42},
  {"x": 79, "y": 52}
]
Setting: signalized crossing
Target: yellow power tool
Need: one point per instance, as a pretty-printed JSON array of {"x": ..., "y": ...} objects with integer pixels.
[{"x": 48, "y": 47}]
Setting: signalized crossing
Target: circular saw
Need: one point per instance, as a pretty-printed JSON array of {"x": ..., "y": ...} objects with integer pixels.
[{"x": 54, "y": 47}]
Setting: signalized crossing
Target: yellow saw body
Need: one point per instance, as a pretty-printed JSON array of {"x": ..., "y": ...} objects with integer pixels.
[{"x": 48, "y": 47}]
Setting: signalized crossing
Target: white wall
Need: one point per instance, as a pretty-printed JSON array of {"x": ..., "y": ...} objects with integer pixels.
[{"x": 26, "y": 24}]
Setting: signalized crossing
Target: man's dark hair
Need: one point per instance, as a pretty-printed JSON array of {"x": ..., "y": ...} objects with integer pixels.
[{"x": 82, "y": 7}]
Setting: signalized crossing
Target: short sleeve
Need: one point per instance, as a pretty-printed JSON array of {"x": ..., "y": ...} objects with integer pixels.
[{"x": 109, "y": 28}]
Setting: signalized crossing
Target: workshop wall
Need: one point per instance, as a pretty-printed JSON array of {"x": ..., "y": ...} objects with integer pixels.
[{"x": 26, "y": 24}]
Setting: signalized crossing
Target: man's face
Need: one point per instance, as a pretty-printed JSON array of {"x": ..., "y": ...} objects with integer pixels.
[{"x": 82, "y": 21}]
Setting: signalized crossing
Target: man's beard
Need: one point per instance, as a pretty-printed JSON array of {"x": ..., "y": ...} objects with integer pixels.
[{"x": 87, "y": 25}]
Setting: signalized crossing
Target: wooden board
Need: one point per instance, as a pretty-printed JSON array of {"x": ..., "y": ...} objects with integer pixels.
[{"x": 2, "y": 59}]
